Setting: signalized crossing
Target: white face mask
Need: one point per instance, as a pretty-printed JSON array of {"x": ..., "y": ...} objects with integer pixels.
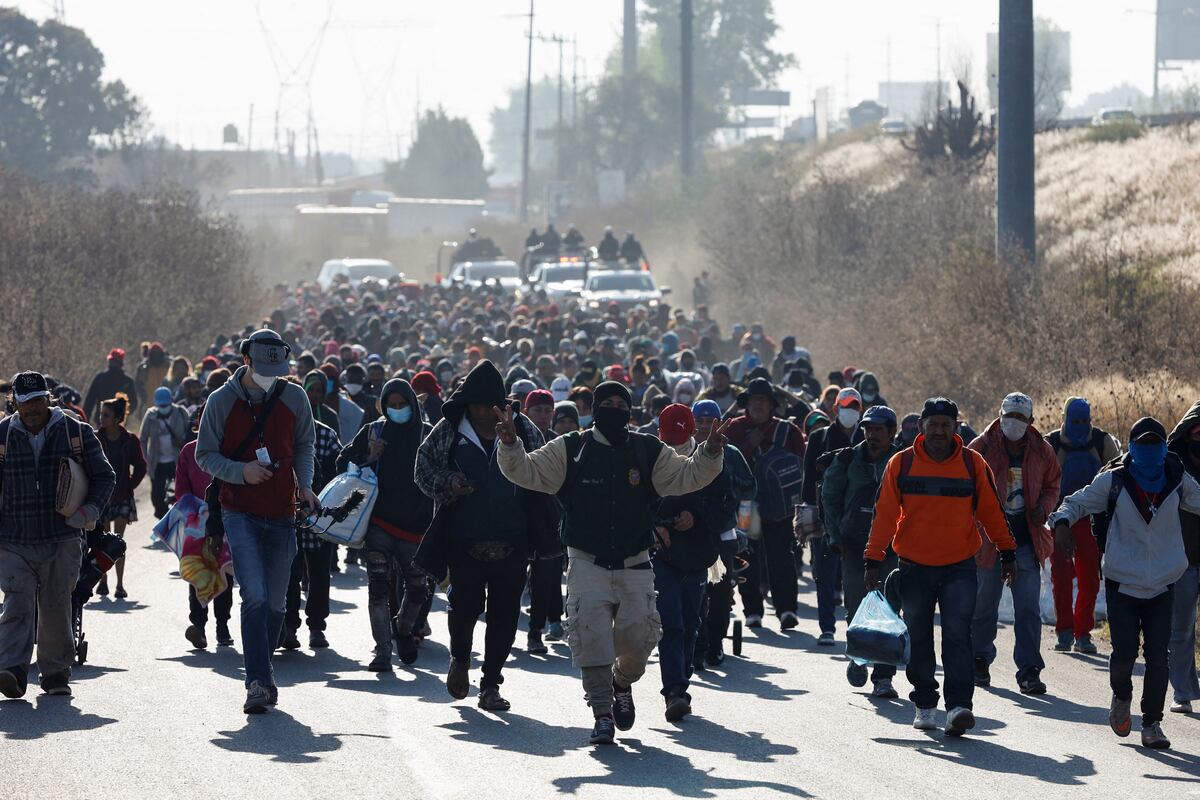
[
  {"x": 685, "y": 399},
  {"x": 1013, "y": 429},
  {"x": 848, "y": 417},
  {"x": 354, "y": 388},
  {"x": 265, "y": 382},
  {"x": 869, "y": 397}
]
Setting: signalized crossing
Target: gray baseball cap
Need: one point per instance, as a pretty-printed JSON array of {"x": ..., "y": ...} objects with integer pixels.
[{"x": 268, "y": 353}]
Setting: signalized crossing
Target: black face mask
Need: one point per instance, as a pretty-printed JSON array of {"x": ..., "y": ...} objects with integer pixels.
[
  {"x": 1194, "y": 450},
  {"x": 613, "y": 423}
]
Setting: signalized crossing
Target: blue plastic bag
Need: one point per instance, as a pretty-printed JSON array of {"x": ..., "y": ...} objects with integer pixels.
[{"x": 877, "y": 635}]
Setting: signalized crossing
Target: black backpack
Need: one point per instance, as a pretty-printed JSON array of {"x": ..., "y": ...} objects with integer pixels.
[{"x": 779, "y": 473}]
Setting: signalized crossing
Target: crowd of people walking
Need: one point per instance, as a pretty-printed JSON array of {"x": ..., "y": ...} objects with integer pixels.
[{"x": 633, "y": 471}]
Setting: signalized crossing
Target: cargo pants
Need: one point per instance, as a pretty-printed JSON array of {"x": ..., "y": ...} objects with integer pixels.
[{"x": 612, "y": 624}]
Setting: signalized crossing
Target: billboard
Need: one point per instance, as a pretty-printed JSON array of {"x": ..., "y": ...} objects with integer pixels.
[{"x": 1178, "y": 30}]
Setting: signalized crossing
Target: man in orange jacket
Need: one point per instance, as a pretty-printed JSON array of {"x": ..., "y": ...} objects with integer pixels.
[{"x": 932, "y": 500}]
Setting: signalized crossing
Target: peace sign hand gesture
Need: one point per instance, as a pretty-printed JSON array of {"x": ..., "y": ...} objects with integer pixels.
[
  {"x": 715, "y": 443},
  {"x": 506, "y": 428}
]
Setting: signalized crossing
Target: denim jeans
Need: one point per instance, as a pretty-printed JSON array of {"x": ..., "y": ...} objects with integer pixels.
[
  {"x": 952, "y": 589},
  {"x": 263, "y": 550},
  {"x": 826, "y": 567},
  {"x": 1182, "y": 647},
  {"x": 1027, "y": 627},
  {"x": 1149, "y": 618},
  {"x": 680, "y": 596}
]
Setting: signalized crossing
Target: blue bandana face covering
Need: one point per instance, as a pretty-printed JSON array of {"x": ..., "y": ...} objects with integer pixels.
[
  {"x": 400, "y": 415},
  {"x": 1077, "y": 428},
  {"x": 1146, "y": 465}
]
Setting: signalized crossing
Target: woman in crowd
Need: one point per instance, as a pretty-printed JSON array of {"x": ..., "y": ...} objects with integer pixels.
[{"x": 124, "y": 452}]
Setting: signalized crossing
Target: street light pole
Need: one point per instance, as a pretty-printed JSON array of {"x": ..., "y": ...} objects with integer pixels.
[
  {"x": 1016, "y": 225},
  {"x": 528, "y": 104},
  {"x": 685, "y": 75}
]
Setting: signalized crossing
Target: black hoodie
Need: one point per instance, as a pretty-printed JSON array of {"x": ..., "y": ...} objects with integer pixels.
[
  {"x": 1177, "y": 443},
  {"x": 400, "y": 504},
  {"x": 483, "y": 385}
]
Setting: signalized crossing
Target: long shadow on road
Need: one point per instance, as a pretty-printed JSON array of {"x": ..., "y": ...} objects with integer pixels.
[
  {"x": 641, "y": 766},
  {"x": 748, "y": 677},
  {"x": 697, "y": 733},
  {"x": 45, "y": 716},
  {"x": 515, "y": 733},
  {"x": 1186, "y": 763},
  {"x": 284, "y": 738},
  {"x": 994, "y": 758},
  {"x": 1051, "y": 707}
]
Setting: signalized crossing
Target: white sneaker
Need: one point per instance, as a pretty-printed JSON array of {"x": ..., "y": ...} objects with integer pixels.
[
  {"x": 1182, "y": 707},
  {"x": 926, "y": 719},
  {"x": 959, "y": 720}
]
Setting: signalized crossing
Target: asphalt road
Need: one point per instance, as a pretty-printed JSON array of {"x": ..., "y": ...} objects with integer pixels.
[{"x": 151, "y": 718}]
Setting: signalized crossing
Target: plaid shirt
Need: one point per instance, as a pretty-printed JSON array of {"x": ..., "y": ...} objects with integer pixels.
[
  {"x": 27, "y": 496},
  {"x": 326, "y": 449},
  {"x": 433, "y": 471}
]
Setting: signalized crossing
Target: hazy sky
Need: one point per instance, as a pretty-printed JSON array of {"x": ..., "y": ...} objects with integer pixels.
[{"x": 198, "y": 66}]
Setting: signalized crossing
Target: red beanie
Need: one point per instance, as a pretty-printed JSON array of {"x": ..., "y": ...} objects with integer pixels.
[
  {"x": 425, "y": 383},
  {"x": 539, "y": 397},
  {"x": 676, "y": 424}
]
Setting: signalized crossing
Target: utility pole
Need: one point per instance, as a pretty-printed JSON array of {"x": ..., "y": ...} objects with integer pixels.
[
  {"x": 574, "y": 83},
  {"x": 685, "y": 83},
  {"x": 939, "y": 64},
  {"x": 1016, "y": 225},
  {"x": 528, "y": 102},
  {"x": 628, "y": 59}
]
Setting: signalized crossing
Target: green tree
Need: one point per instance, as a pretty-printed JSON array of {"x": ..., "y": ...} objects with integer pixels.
[
  {"x": 445, "y": 161},
  {"x": 731, "y": 49},
  {"x": 508, "y": 126},
  {"x": 53, "y": 103}
]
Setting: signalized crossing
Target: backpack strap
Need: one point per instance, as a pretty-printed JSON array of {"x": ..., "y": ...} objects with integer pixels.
[
  {"x": 906, "y": 462},
  {"x": 1114, "y": 489},
  {"x": 1097, "y": 444},
  {"x": 76, "y": 438},
  {"x": 779, "y": 437},
  {"x": 970, "y": 464}
]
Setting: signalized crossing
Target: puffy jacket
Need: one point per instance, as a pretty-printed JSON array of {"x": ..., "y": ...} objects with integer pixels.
[
  {"x": 1040, "y": 475},
  {"x": 843, "y": 482},
  {"x": 932, "y": 529}
]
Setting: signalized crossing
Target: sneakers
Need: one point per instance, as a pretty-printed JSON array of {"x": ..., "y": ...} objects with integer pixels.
[
  {"x": 884, "y": 690},
  {"x": 1182, "y": 707},
  {"x": 604, "y": 731},
  {"x": 224, "y": 637},
  {"x": 382, "y": 662},
  {"x": 554, "y": 632},
  {"x": 195, "y": 635},
  {"x": 317, "y": 640},
  {"x": 257, "y": 699},
  {"x": 715, "y": 658},
  {"x": 1084, "y": 644},
  {"x": 12, "y": 683},
  {"x": 926, "y": 719},
  {"x": 490, "y": 700},
  {"x": 289, "y": 640},
  {"x": 56, "y": 685},
  {"x": 825, "y": 639},
  {"x": 788, "y": 620},
  {"x": 754, "y": 620},
  {"x": 1154, "y": 738},
  {"x": 272, "y": 694},
  {"x": 678, "y": 707},
  {"x": 1032, "y": 683},
  {"x": 458, "y": 679},
  {"x": 407, "y": 648},
  {"x": 535, "y": 646},
  {"x": 624, "y": 712},
  {"x": 959, "y": 720},
  {"x": 856, "y": 674},
  {"x": 1118, "y": 717},
  {"x": 1063, "y": 645},
  {"x": 983, "y": 675}
]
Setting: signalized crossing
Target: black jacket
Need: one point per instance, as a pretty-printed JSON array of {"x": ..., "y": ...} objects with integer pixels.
[
  {"x": 399, "y": 503},
  {"x": 1177, "y": 443},
  {"x": 713, "y": 511},
  {"x": 826, "y": 439}
]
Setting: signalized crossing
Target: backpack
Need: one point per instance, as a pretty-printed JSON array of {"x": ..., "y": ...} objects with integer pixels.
[
  {"x": 937, "y": 486},
  {"x": 779, "y": 473},
  {"x": 741, "y": 480},
  {"x": 1080, "y": 465}
]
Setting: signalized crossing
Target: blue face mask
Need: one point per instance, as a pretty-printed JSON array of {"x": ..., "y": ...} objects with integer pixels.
[
  {"x": 400, "y": 416},
  {"x": 1146, "y": 464},
  {"x": 585, "y": 420},
  {"x": 1077, "y": 432}
]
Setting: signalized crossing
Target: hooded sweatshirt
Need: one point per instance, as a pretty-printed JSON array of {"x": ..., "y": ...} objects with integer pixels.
[
  {"x": 401, "y": 509},
  {"x": 289, "y": 437}
]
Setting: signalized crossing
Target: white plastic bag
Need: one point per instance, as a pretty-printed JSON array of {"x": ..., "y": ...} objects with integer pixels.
[
  {"x": 877, "y": 635},
  {"x": 352, "y": 531},
  {"x": 1046, "y": 596}
]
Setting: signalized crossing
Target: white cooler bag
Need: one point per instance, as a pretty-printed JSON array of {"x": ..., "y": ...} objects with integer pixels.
[{"x": 352, "y": 531}]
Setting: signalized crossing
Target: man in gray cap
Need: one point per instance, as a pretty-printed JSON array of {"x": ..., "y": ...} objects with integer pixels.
[{"x": 256, "y": 438}]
